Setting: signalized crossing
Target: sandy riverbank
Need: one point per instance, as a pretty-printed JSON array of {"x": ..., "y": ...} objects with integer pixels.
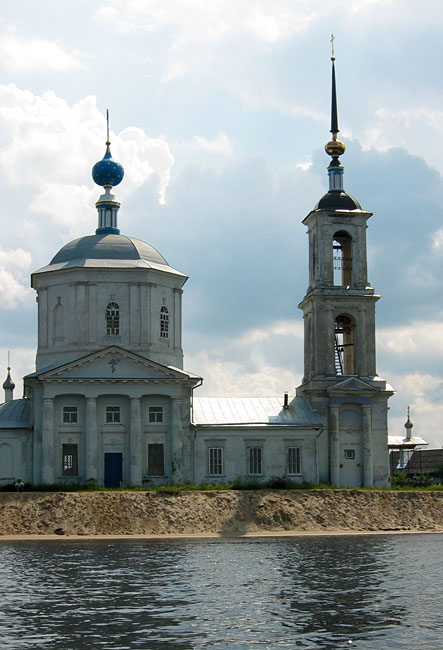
[{"x": 213, "y": 513}]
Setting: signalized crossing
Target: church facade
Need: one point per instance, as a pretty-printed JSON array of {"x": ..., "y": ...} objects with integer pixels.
[{"x": 110, "y": 402}]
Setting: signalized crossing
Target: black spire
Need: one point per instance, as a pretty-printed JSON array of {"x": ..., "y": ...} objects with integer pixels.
[{"x": 334, "y": 114}]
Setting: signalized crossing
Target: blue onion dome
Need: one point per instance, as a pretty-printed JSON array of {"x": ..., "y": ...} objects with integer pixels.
[{"x": 107, "y": 172}]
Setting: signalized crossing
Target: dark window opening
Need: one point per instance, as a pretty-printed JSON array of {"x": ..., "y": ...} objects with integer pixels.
[
  {"x": 112, "y": 414},
  {"x": 69, "y": 460},
  {"x": 342, "y": 247},
  {"x": 70, "y": 415},
  {"x": 112, "y": 319},
  {"x": 344, "y": 346},
  {"x": 164, "y": 322},
  {"x": 215, "y": 461},
  {"x": 255, "y": 461},
  {"x": 155, "y": 414},
  {"x": 156, "y": 460}
]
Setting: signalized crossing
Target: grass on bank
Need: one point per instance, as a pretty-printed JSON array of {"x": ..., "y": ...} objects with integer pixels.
[{"x": 401, "y": 481}]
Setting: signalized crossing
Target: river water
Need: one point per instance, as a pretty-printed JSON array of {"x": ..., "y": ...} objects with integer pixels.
[{"x": 257, "y": 593}]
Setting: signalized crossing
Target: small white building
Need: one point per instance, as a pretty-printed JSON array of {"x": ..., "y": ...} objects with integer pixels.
[{"x": 111, "y": 403}]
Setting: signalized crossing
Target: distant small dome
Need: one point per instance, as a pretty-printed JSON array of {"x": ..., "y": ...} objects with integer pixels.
[
  {"x": 107, "y": 172},
  {"x": 8, "y": 384},
  {"x": 337, "y": 201}
]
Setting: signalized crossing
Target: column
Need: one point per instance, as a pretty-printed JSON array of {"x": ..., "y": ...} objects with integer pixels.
[
  {"x": 81, "y": 315},
  {"x": 43, "y": 318},
  {"x": 92, "y": 313},
  {"x": 134, "y": 314},
  {"x": 48, "y": 456},
  {"x": 368, "y": 472},
  {"x": 91, "y": 441},
  {"x": 177, "y": 440},
  {"x": 360, "y": 344},
  {"x": 330, "y": 342},
  {"x": 177, "y": 318},
  {"x": 145, "y": 313},
  {"x": 334, "y": 444},
  {"x": 135, "y": 470}
]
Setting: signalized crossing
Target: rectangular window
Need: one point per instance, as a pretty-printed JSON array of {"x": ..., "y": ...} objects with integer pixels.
[
  {"x": 112, "y": 414},
  {"x": 255, "y": 460},
  {"x": 294, "y": 460},
  {"x": 69, "y": 460},
  {"x": 156, "y": 459},
  {"x": 349, "y": 453},
  {"x": 155, "y": 414},
  {"x": 215, "y": 461},
  {"x": 70, "y": 414}
]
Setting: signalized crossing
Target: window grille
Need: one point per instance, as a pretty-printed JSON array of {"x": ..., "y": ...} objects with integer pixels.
[
  {"x": 155, "y": 414},
  {"x": 156, "y": 459},
  {"x": 112, "y": 414},
  {"x": 294, "y": 460},
  {"x": 70, "y": 415},
  {"x": 215, "y": 461},
  {"x": 164, "y": 323},
  {"x": 69, "y": 460},
  {"x": 255, "y": 460},
  {"x": 112, "y": 319}
]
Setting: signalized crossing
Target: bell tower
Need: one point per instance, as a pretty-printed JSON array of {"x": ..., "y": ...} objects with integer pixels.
[{"x": 340, "y": 378}]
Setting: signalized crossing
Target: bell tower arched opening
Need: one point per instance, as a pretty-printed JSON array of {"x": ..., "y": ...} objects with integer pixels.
[
  {"x": 342, "y": 248},
  {"x": 344, "y": 345}
]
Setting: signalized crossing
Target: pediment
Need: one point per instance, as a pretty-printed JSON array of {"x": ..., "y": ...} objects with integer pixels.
[
  {"x": 113, "y": 364},
  {"x": 352, "y": 385}
]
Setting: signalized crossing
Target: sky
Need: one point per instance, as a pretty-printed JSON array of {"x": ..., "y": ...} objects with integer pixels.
[{"x": 219, "y": 114}]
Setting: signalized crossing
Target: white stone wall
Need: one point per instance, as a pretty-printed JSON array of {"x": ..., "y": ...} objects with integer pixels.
[
  {"x": 15, "y": 455},
  {"x": 72, "y": 314},
  {"x": 235, "y": 442}
]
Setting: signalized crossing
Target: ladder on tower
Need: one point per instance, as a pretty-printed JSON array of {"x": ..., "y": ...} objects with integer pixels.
[{"x": 338, "y": 357}]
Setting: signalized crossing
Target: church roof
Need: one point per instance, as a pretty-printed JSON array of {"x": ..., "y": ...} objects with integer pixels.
[
  {"x": 109, "y": 250},
  {"x": 396, "y": 442},
  {"x": 15, "y": 414},
  {"x": 337, "y": 201},
  {"x": 254, "y": 410}
]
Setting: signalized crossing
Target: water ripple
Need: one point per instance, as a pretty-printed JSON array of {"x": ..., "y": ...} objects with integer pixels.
[{"x": 345, "y": 592}]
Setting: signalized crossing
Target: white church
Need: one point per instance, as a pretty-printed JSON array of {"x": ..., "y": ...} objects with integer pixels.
[{"x": 110, "y": 402}]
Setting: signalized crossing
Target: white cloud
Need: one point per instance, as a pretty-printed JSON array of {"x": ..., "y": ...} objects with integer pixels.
[
  {"x": 423, "y": 339},
  {"x": 142, "y": 156},
  {"x": 437, "y": 243},
  {"x": 14, "y": 268},
  {"x": 51, "y": 146},
  {"x": 176, "y": 70},
  {"x": 20, "y": 54},
  {"x": 263, "y": 364},
  {"x": 69, "y": 206},
  {"x": 194, "y": 21}
]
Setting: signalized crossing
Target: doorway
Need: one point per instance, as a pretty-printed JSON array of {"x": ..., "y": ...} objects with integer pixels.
[{"x": 113, "y": 469}]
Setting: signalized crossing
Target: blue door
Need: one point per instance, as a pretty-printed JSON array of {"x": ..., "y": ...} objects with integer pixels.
[{"x": 113, "y": 470}]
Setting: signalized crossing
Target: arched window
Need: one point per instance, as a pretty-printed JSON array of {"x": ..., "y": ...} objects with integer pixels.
[
  {"x": 342, "y": 247},
  {"x": 112, "y": 318},
  {"x": 164, "y": 323},
  {"x": 344, "y": 345}
]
